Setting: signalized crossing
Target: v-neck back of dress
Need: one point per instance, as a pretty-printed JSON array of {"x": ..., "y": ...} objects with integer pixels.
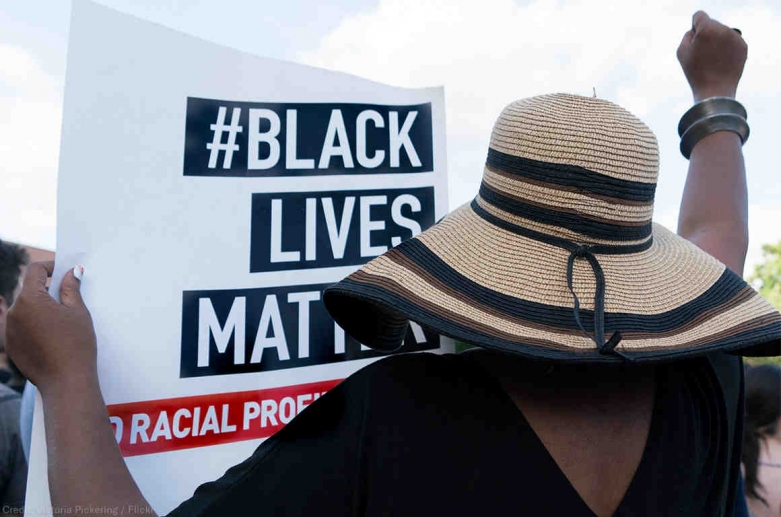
[
  {"x": 679, "y": 457},
  {"x": 594, "y": 423}
]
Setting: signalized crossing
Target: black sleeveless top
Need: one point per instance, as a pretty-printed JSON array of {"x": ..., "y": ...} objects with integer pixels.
[{"x": 427, "y": 435}]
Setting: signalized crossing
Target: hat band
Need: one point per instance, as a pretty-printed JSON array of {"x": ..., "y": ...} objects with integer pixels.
[
  {"x": 601, "y": 249},
  {"x": 591, "y": 227},
  {"x": 572, "y": 176}
]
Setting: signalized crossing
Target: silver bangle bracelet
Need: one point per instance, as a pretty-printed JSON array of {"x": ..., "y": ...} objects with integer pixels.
[
  {"x": 711, "y": 115},
  {"x": 711, "y": 124},
  {"x": 708, "y": 107}
]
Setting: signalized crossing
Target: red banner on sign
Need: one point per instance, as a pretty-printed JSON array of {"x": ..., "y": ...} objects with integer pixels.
[{"x": 183, "y": 423}]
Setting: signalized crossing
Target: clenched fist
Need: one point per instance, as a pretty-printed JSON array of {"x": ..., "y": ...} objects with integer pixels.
[
  {"x": 52, "y": 343},
  {"x": 712, "y": 56}
]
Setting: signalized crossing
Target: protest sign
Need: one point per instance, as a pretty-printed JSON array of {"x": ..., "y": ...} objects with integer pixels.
[{"x": 211, "y": 196}]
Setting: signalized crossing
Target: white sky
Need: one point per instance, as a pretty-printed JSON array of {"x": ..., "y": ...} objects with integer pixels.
[{"x": 486, "y": 53}]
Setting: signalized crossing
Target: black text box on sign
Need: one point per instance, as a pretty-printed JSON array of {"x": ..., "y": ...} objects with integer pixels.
[
  {"x": 305, "y": 230},
  {"x": 257, "y": 139},
  {"x": 255, "y": 330}
]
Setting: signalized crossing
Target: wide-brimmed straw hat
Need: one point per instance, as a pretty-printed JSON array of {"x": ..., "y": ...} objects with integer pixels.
[{"x": 557, "y": 256}]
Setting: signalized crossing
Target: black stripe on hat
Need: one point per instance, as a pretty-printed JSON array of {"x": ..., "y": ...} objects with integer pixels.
[
  {"x": 727, "y": 286},
  {"x": 574, "y": 222},
  {"x": 572, "y": 176},
  {"x": 599, "y": 249},
  {"x": 341, "y": 299}
]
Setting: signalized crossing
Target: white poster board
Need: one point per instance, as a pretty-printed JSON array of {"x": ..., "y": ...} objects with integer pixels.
[{"x": 211, "y": 196}]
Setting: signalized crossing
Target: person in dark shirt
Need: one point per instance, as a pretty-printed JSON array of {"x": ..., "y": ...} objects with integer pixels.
[
  {"x": 13, "y": 465},
  {"x": 601, "y": 383},
  {"x": 13, "y": 262}
]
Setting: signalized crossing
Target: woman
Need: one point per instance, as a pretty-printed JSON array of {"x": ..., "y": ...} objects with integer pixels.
[
  {"x": 762, "y": 440},
  {"x": 603, "y": 387}
]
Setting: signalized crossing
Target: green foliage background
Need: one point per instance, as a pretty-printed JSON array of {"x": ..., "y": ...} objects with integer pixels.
[{"x": 766, "y": 278}]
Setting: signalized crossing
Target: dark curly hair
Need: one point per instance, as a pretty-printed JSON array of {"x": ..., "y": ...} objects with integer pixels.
[
  {"x": 763, "y": 409},
  {"x": 12, "y": 258}
]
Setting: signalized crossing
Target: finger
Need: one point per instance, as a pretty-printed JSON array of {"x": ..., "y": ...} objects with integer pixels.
[
  {"x": 36, "y": 276},
  {"x": 699, "y": 20},
  {"x": 70, "y": 288},
  {"x": 685, "y": 42}
]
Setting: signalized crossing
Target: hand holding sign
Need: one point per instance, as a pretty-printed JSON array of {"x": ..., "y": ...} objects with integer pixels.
[{"x": 52, "y": 343}]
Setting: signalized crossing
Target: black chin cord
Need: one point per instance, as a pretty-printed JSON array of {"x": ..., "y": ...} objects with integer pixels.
[{"x": 604, "y": 347}]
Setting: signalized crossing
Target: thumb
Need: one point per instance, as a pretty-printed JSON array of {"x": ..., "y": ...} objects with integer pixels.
[
  {"x": 699, "y": 20},
  {"x": 70, "y": 289},
  {"x": 685, "y": 44}
]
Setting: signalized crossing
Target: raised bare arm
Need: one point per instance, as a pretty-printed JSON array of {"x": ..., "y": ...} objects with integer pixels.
[
  {"x": 714, "y": 209},
  {"x": 54, "y": 346}
]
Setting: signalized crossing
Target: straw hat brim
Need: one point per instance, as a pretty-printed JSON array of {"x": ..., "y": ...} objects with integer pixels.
[{"x": 485, "y": 284}]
